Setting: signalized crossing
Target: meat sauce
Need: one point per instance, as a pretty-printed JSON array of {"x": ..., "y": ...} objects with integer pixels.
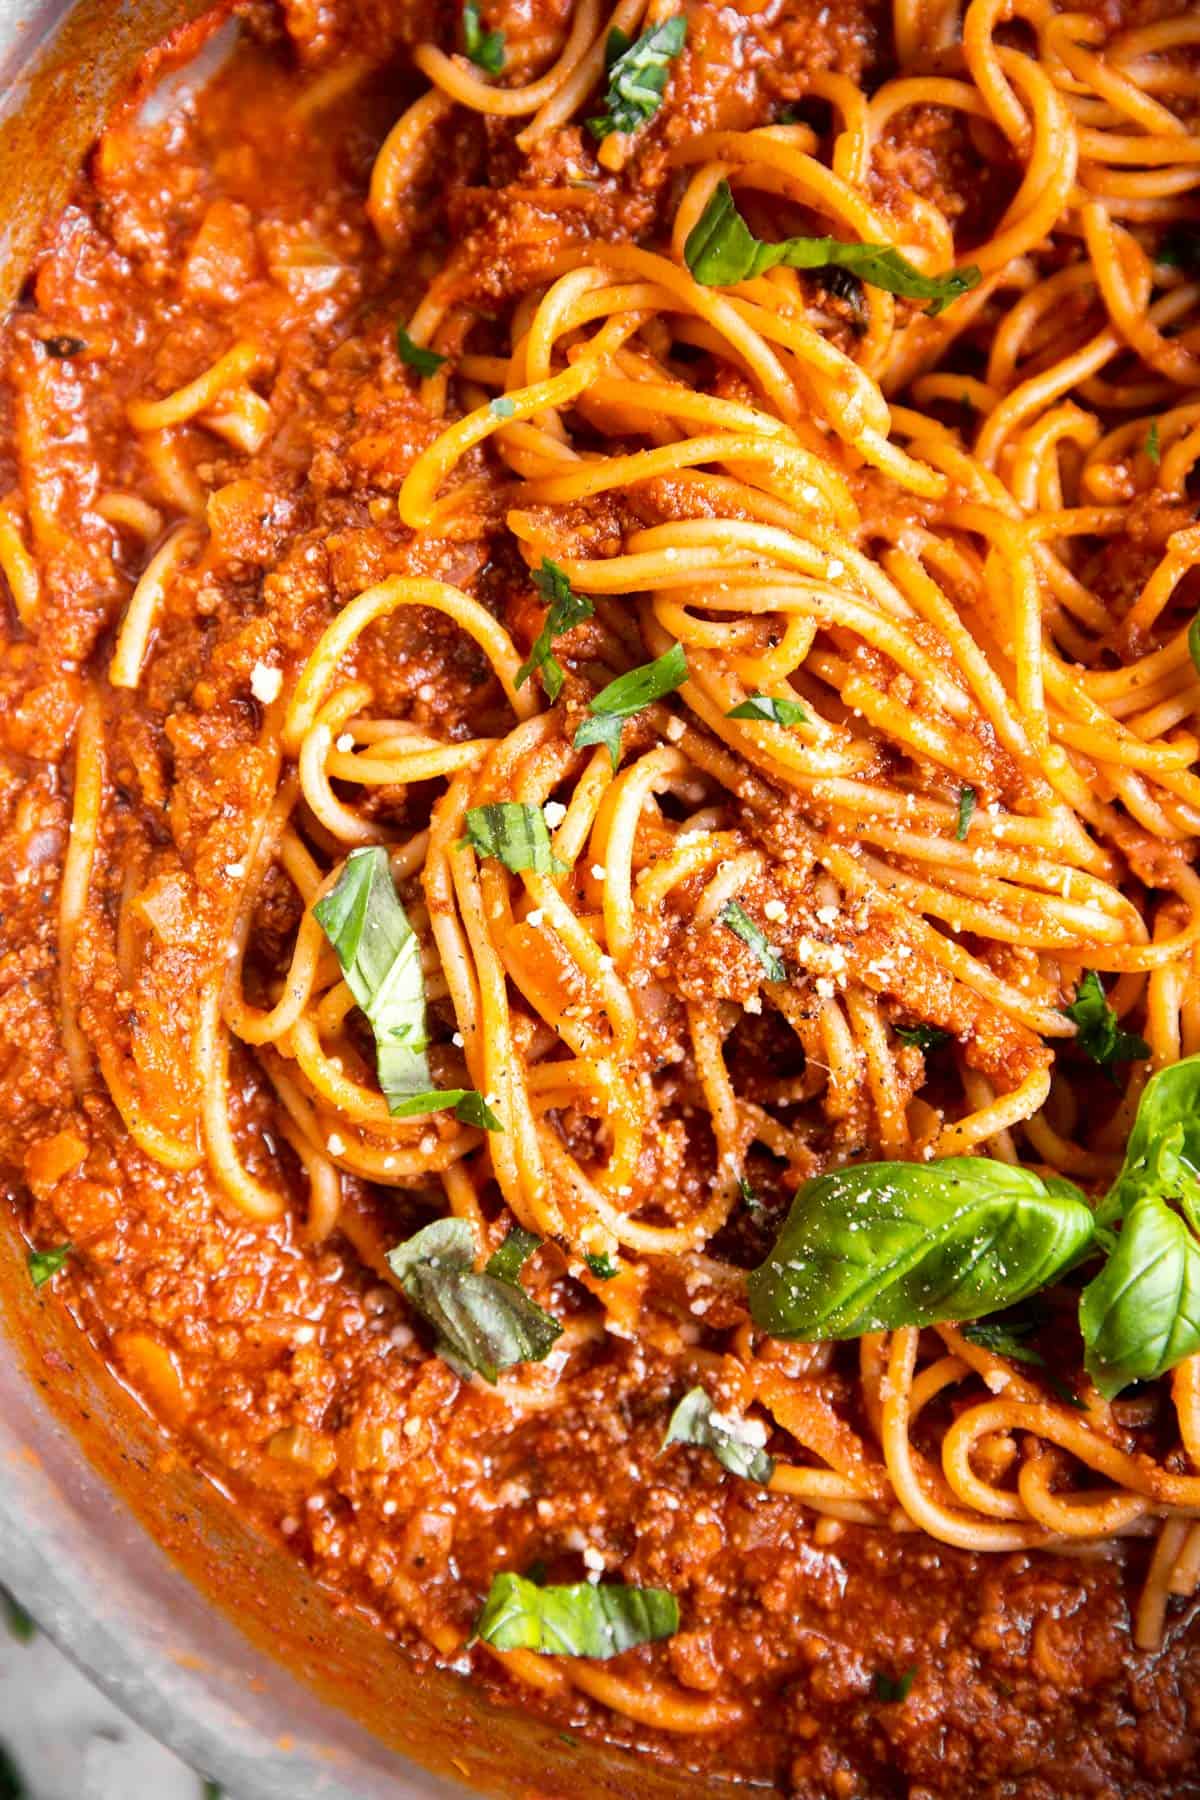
[{"x": 294, "y": 1373}]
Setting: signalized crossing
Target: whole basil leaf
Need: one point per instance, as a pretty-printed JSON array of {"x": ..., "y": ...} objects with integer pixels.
[
  {"x": 883, "y": 1245},
  {"x": 697, "y": 1421},
  {"x": 583, "y": 1619},
  {"x": 1141, "y": 1314},
  {"x": 483, "y": 1324},
  {"x": 1162, "y": 1154}
]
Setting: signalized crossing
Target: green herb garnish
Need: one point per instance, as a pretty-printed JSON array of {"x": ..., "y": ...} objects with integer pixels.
[
  {"x": 425, "y": 362},
  {"x": 483, "y": 1323},
  {"x": 515, "y": 834},
  {"x": 721, "y": 250},
  {"x": 507, "y": 1262},
  {"x": 599, "y": 1619},
  {"x": 967, "y": 801},
  {"x": 922, "y": 1037},
  {"x": 697, "y": 1421},
  {"x": 567, "y": 609},
  {"x": 637, "y": 76},
  {"x": 45, "y": 1264},
  {"x": 736, "y": 919},
  {"x": 1097, "y": 1033},
  {"x": 769, "y": 708},
  {"x": 877, "y": 1246},
  {"x": 629, "y": 694},
  {"x": 485, "y": 48}
]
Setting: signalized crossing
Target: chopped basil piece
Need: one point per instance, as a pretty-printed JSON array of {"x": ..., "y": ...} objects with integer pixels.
[
  {"x": 567, "y": 609},
  {"x": 1153, "y": 447},
  {"x": 637, "y": 76},
  {"x": 629, "y": 694},
  {"x": 922, "y": 1037},
  {"x": 45, "y": 1264},
  {"x": 485, "y": 48},
  {"x": 483, "y": 1324},
  {"x": 20, "y": 1624},
  {"x": 878, "y": 1246},
  {"x": 502, "y": 407},
  {"x": 469, "y": 1107},
  {"x": 892, "y": 1690},
  {"x": 736, "y": 919},
  {"x": 697, "y": 1421},
  {"x": 1004, "y": 1340},
  {"x": 602, "y": 1267},
  {"x": 425, "y": 362},
  {"x": 1194, "y": 642},
  {"x": 966, "y": 812},
  {"x": 768, "y": 707},
  {"x": 380, "y": 956},
  {"x": 213, "y": 1790},
  {"x": 507, "y": 1262},
  {"x": 62, "y": 348},
  {"x": 1097, "y": 1031},
  {"x": 599, "y": 1619},
  {"x": 721, "y": 250},
  {"x": 515, "y": 834}
]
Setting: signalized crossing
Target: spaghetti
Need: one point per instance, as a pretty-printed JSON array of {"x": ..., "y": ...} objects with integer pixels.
[{"x": 934, "y": 753}]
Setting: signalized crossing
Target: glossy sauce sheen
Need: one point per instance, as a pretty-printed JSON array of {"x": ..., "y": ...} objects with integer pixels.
[{"x": 182, "y": 237}]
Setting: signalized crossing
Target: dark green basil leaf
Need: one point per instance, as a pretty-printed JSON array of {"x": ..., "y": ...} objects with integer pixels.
[
  {"x": 482, "y": 1324},
  {"x": 966, "y": 812},
  {"x": 1141, "y": 1314},
  {"x": 507, "y": 1262},
  {"x": 1098, "y": 1034},
  {"x": 380, "y": 957},
  {"x": 485, "y": 48},
  {"x": 599, "y": 1619},
  {"x": 629, "y": 694},
  {"x": 637, "y": 76},
  {"x": 45, "y": 1264},
  {"x": 697, "y": 1421},
  {"x": 881, "y": 1245},
  {"x": 1004, "y": 1340},
  {"x": 1153, "y": 447},
  {"x": 515, "y": 834},
  {"x": 470, "y": 1108},
  {"x": 20, "y": 1624},
  {"x": 602, "y": 1267},
  {"x": 425, "y": 362},
  {"x": 567, "y": 609},
  {"x": 1162, "y": 1153},
  {"x": 736, "y": 919},
  {"x": 922, "y": 1037},
  {"x": 721, "y": 250},
  {"x": 893, "y": 1690},
  {"x": 766, "y": 706}
]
